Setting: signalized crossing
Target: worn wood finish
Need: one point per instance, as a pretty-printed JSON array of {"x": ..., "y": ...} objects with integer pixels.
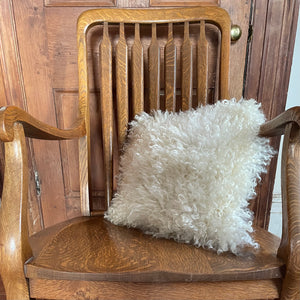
[
  {"x": 130, "y": 255},
  {"x": 122, "y": 86},
  {"x": 202, "y": 64},
  {"x": 107, "y": 109},
  {"x": 71, "y": 290},
  {"x": 14, "y": 244},
  {"x": 154, "y": 71},
  {"x": 187, "y": 70},
  {"x": 137, "y": 73}
]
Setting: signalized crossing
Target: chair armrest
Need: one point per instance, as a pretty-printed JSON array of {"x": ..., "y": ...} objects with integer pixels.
[
  {"x": 277, "y": 125},
  {"x": 288, "y": 123},
  {"x": 34, "y": 128}
]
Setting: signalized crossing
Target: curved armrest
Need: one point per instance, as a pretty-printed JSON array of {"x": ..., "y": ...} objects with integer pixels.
[
  {"x": 34, "y": 128},
  {"x": 277, "y": 125},
  {"x": 288, "y": 123}
]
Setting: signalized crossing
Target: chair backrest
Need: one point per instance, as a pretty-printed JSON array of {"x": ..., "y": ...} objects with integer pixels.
[{"x": 171, "y": 78}]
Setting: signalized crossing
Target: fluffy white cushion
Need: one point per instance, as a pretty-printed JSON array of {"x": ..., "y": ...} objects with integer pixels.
[{"x": 189, "y": 175}]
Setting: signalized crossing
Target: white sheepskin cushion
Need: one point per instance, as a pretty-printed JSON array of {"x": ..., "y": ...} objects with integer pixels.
[{"x": 189, "y": 175}]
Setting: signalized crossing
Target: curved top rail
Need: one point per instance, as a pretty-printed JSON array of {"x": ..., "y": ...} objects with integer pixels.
[
  {"x": 90, "y": 18},
  {"x": 211, "y": 14}
]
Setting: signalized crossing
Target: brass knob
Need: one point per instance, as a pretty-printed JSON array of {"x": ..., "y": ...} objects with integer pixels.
[{"x": 235, "y": 32}]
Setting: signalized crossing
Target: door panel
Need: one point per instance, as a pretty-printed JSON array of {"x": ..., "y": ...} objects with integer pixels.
[{"x": 31, "y": 34}]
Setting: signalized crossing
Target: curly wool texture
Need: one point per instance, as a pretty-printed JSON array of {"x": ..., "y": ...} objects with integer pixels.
[{"x": 189, "y": 175}]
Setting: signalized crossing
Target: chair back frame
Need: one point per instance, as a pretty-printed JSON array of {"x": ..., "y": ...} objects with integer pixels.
[{"x": 91, "y": 18}]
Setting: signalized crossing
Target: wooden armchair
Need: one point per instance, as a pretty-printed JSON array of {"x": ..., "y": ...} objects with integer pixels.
[{"x": 88, "y": 257}]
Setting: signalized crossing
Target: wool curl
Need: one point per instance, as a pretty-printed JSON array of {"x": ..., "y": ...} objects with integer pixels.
[{"x": 189, "y": 176}]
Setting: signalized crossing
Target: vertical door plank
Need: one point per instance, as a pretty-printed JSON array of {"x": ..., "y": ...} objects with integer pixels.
[
  {"x": 35, "y": 65},
  {"x": 170, "y": 71},
  {"x": 202, "y": 58},
  {"x": 106, "y": 109},
  {"x": 154, "y": 71},
  {"x": 267, "y": 77},
  {"x": 122, "y": 85},
  {"x": 137, "y": 73},
  {"x": 187, "y": 69}
]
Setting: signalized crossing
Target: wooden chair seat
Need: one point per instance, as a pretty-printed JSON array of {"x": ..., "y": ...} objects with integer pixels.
[{"x": 114, "y": 253}]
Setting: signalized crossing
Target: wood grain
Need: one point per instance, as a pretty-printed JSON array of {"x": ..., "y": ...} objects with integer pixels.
[
  {"x": 107, "y": 110},
  {"x": 290, "y": 243},
  {"x": 187, "y": 70},
  {"x": 122, "y": 86},
  {"x": 35, "y": 66},
  {"x": 58, "y": 3},
  {"x": 71, "y": 290},
  {"x": 33, "y": 128},
  {"x": 137, "y": 73},
  {"x": 241, "y": 13},
  {"x": 13, "y": 93},
  {"x": 130, "y": 255},
  {"x": 260, "y": 265},
  {"x": 14, "y": 244},
  {"x": 289, "y": 250},
  {"x": 202, "y": 66},
  {"x": 154, "y": 71},
  {"x": 267, "y": 76},
  {"x": 138, "y": 16},
  {"x": 183, "y": 2},
  {"x": 170, "y": 71}
]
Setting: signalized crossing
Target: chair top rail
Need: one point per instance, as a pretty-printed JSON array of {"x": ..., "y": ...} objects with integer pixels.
[{"x": 215, "y": 15}]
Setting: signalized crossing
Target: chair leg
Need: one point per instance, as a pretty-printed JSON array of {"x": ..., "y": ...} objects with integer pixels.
[
  {"x": 291, "y": 287},
  {"x": 14, "y": 244},
  {"x": 16, "y": 287}
]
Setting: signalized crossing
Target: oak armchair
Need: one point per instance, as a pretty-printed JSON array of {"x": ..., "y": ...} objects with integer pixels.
[{"x": 69, "y": 261}]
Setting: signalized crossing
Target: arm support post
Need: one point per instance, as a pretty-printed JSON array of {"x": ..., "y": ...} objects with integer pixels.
[
  {"x": 288, "y": 123},
  {"x": 289, "y": 249},
  {"x": 14, "y": 244}
]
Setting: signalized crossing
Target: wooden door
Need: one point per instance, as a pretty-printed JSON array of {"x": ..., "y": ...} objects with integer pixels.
[{"x": 38, "y": 64}]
